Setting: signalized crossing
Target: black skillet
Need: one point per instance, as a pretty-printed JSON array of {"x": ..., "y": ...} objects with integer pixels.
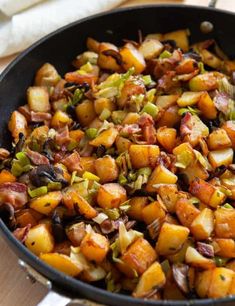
[{"x": 60, "y": 48}]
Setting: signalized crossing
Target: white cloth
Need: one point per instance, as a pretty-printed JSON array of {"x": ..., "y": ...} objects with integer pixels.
[{"x": 19, "y": 31}]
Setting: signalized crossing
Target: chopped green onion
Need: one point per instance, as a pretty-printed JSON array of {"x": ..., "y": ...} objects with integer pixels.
[
  {"x": 132, "y": 176},
  {"x": 191, "y": 110},
  {"x": 21, "y": 164},
  {"x": 87, "y": 67},
  {"x": 54, "y": 186},
  {"x": 228, "y": 206},
  {"x": 165, "y": 266},
  {"x": 91, "y": 133},
  {"x": 77, "y": 96},
  {"x": 106, "y": 113},
  {"x": 144, "y": 171},
  {"x": 118, "y": 116},
  {"x": 150, "y": 95},
  {"x": 72, "y": 145},
  {"x": 73, "y": 176},
  {"x": 23, "y": 158},
  {"x": 147, "y": 79},
  {"x": 90, "y": 176},
  {"x": 201, "y": 67},
  {"x": 112, "y": 213},
  {"x": 220, "y": 261},
  {"x": 165, "y": 54},
  {"x": 125, "y": 206},
  {"x": 122, "y": 179},
  {"x": 150, "y": 109},
  {"x": 38, "y": 191}
]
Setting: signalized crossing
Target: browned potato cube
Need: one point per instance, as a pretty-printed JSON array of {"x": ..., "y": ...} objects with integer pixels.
[
  {"x": 170, "y": 117},
  {"x": 60, "y": 119},
  {"x": 221, "y": 157},
  {"x": 153, "y": 277},
  {"x": 207, "y": 193},
  {"x": 38, "y": 99},
  {"x": 224, "y": 247},
  {"x": 166, "y": 101},
  {"x": 189, "y": 98},
  {"x": 39, "y": 239},
  {"x": 136, "y": 207},
  {"x": 160, "y": 175},
  {"x": 167, "y": 138},
  {"x": 225, "y": 223},
  {"x": 143, "y": 155},
  {"x": 95, "y": 247},
  {"x": 203, "y": 282},
  {"x": 180, "y": 37},
  {"x": 171, "y": 238},
  {"x": 47, "y": 75},
  {"x": 195, "y": 259},
  {"x": 186, "y": 211},
  {"x": 17, "y": 124},
  {"x": 153, "y": 211},
  {"x": 139, "y": 256},
  {"x": 106, "y": 169},
  {"x": 106, "y": 61},
  {"x": 111, "y": 195},
  {"x": 122, "y": 144},
  {"x": 229, "y": 127},
  {"x": 221, "y": 282},
  {"x": 218, "y": 140},
  {"x": 85, "y": 112},
  {"x": 132, "y": 57},
  {"x": 203, "y": 225},
  {"x": 207, "y": 106},
  {"x": 204, "y": 82},
  {"x": 131, "y": 118},
  {"x": 105, "y": 138},
  {"x": 76, "y": 233},
  {"x": 169, "y": 195},
  {"x": 45, "y": 204},
  {"x": 103, "y": 103},
  {"x": 150, "y": 48}
]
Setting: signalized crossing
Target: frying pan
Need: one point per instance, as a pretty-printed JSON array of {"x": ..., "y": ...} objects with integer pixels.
[{"x": 59, "y": 48}]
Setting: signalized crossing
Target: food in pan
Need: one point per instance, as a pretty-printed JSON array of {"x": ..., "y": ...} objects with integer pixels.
[{"x": 121, "y": 172}]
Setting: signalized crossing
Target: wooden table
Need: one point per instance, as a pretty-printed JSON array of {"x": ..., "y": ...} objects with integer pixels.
[{"x": 16, "y": 290}]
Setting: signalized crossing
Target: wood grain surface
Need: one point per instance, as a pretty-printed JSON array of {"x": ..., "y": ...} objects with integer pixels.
[{"x": 16, "y": 290}]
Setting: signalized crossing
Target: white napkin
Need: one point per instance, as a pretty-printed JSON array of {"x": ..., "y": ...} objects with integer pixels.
[{"x": 25, "y": 27}]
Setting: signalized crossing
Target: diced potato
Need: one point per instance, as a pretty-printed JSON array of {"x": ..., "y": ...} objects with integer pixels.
[
  {"x": 39, "y": 239},
  {"x": 81, "y": 76},
  {"x": 136, "y": 207},
  {"x": 166, "y": 101},
  {"x": 143, "y": 155},
  {"x": 231, "y": 265},
  {"x": 221, "y": 157},
  {"x": 138, "y": 257},
  {"x": 189, "y": 98},
  {"x": 186, "y": 211},
  {"x": 92, "y": 44},
  {"x": 218, "y": 140},
  {"x": 220, "y": 282},
  {"x": 180, "y": 37},
  {"x": 153, "y": 211},
  {"x": 131, "y": 118},
  {"x": 28, "y": 216},
  {"x": 225, "y": 223},
  {"x": 85, "y": 112},
  {"x": 179, "y": 256},
  {"x": 195, "y": 170},
  {"x": 229, "y": 127},
  {"x": 6, "y": 177},
  {"x": 96, "y": 123},
  {"x": 106, "y": 138},
  {"x": 157, "y": 36},
  {"x": 195, "y": 259},
  {"x": 232, "y": 287},
  {"x": 170, "y": 117},
  {"x": 106, "y": 169},
  {"x": 75, "y": 233},
  {"x": 38, "y": 99},
  {"x": 153, "y": 277},
  {"x": 207, "y": 106},
  {"x": 203, "y": 282},
  {"x": 204, "y": 82},
  {"x": 151, "y": 48},
  {"x": 47, "y": 203},
  {"x": 111, "y": 195},
  {"x": 171, "y": 238},
  {"x": 60, "y": 119},
  {"x": 72, "y": 199},
  {"x": 95, "y": 247},
  {"x": 210, "y": 59},
  {"x": 207, "y": 193},
  {"x": 186, "y": 66},
  {"x": 93, "y": 274},
  {"x": 103, "y": 103},
  {"x": 167, "y": 138},
  {"x": 17, "y": 124},
  {"x": 59, "y": 104},
  {"x": 108, "y": 61},
  {"x": 76, "y": 135},
  {"x": 47, "y": 75},
  {"x": 160, "y": 175},
  {"x": 184, "y": 154},
  {"x": 122, "y": 144},
  {"x": 226, "y": 247},
  {"x": 131, "y": 57},
  {"x": 203, "y": 225},
  {"x": 62, "y": 263},
  {"x": 169, "y": 195}
]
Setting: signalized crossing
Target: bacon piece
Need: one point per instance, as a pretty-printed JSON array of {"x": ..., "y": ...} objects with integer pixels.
[
  {"x": 62, "y": 136},
  {"x": 129, "y": 129},
  {"x": 145, "y": 120},
  {"x": 40, "y": 116},
  {"x": 4, "y": 154},
  {"x": 72, "y": 162},
  {"x": 149, "y": 134},
  {"x": 24, "y": 110},
  {"x": 21, "y": 233},
  {"x": 37, "y": 158},
  {"x": 14, "y": 194}
]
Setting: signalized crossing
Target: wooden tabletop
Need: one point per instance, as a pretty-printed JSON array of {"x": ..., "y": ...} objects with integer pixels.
[{"x": 16, "y": 290}]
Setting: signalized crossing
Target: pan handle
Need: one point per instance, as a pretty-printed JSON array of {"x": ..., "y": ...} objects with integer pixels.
[{"x": 52, "y": 298}]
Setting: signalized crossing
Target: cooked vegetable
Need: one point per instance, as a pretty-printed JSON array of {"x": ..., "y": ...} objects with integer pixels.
[{"x": 122, "y": 171}]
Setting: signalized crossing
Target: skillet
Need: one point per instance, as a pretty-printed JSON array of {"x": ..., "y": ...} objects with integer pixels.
[{"x": 59, "y": 48}]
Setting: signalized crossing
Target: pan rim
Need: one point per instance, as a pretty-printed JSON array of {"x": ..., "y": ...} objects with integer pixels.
[{"x": 32, "y": 259}]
